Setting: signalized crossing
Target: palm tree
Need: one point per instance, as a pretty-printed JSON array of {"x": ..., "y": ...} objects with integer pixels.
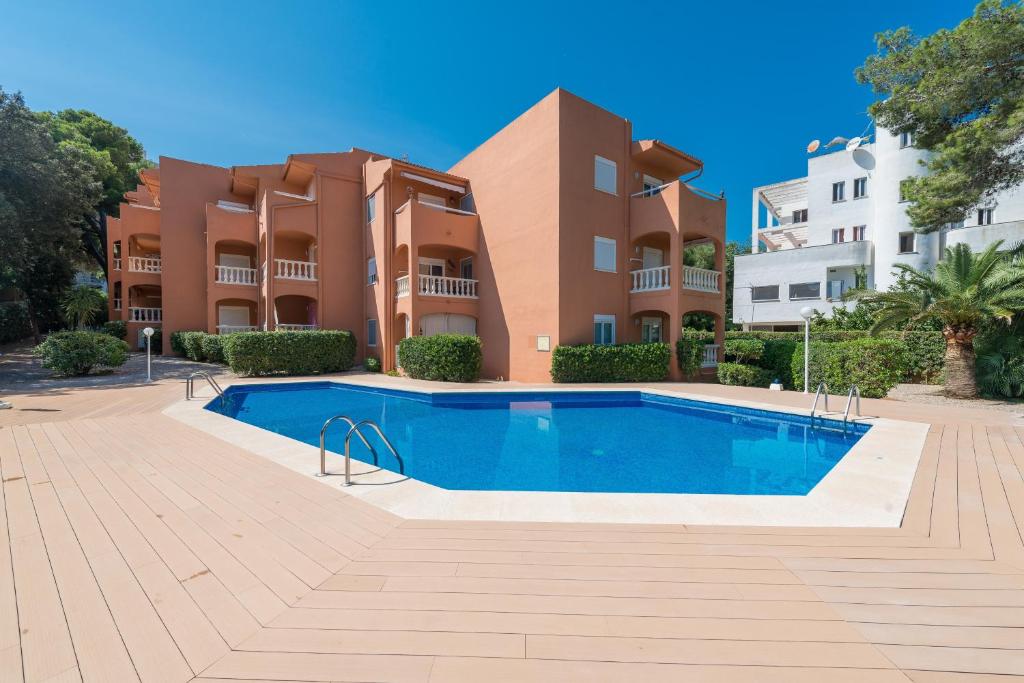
[
  {"x": 82, "y": 304},
  {"x": 965, "y": 291}
]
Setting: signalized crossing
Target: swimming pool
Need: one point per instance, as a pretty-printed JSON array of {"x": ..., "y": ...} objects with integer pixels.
[{"x": 580, "y": 441}]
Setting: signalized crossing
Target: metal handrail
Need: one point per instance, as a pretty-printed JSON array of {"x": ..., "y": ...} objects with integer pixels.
[
  {"x": 323, "y": 436},
  {"x": 190, "y": 387},
  {"x": 348, "y": 455},
  {"x": 854, "y": 389},
  {"x": 817, "y": 394}
]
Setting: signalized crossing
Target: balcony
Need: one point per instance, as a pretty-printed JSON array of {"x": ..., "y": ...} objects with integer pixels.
[
  {"x": 117, "y": 263},
  {"x": 144, "y": 264},
  {"x": 453, "y": 287},
  {"x": 677, "y": 208},
  {"x": 650, "y": 279},
  {"x": 402, "y": 288},
  {"x": 709, "y": 356},
  {"x": 235, "y": 275},
  {"x": 424, "y": 223},
  {"x": 293, "y": 327},
  {"x": 294, "y": 270},
  {"x": 228, "y": 329},
  {"x": 701, "y": 279},
  {"x": 138, "y": 314}
]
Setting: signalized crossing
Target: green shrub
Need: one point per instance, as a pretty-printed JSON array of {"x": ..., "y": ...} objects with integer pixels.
[
  {"x": 444, "y": 357},
  {"x": 177, "y": 345},
  {"x": 611, "y": 363},
  {"x": 737, "y": 374},
  {"x": 690, "y": 350},
  {"x": 777, "y": 360},
  {"x": 117, "y": 329},
  {"x": 15, "y": 323},
  {"x": 744, "y": 350},
  {"x": 875, "y": 365},
  {"x": 371, "y": 364},
  {"x": 77, "y": 353},
  {"x": 291, "y": 353},
  {"x": 212, "y": 347}
]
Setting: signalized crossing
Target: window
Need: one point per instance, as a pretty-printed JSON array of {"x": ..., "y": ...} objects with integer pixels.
[
  {"x": 764, "y": 293},
  {"x": 906, "y": 242},
  {"x": 466, "y": 268},
  {"x": 605, "y": 175},
  {"x": 836, "y": 289},
  {"x": 805, "y": 290},
  {"x": 467, "y": 203},
  {"x": 838, "y": 235},
  {"x": 604, "y": 329},
  {"x": 985, "y": 216},
  {"x": 431, "y": 266},
  {"x": 371, "y": 207},
  {"x": 431, "y": 199},
  {"x": 652, "y": 186},
  {"x": 859, "y": 231},
  {"x": 800, "y": 216},
  {"x": 860, "y": 188},
  {"x": 371, "y": 271},
  {"x": 905, "y": 190},
  {"x": 650, "y": 330},
  {"x": 839, "y": 191},
  {"x": 371, "y": 332},
  {"x": 604, "y": 254},
  {"x": 906, "y": 140},
  {"x": 953, "y": 225}
]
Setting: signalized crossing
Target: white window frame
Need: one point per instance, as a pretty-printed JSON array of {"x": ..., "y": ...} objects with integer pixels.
[
  {"x": 860, "y": 187},
  {"x": 985, "y": 216},
  {"x": 906, "y": 140},
  {"x": 424, "y": 261},
  {"x": 371, "y": 208},
  {"x": 371, "y": 324},
  {"x": 913, "y": 243},
  {"x": 839, "y": 191},
  {"x": 803, "y": 298},
  {"x": 860, "y": 233},
  {"x": 462, "y": 267},
  {"x": 651, "y": 185},
  {"x": 800, "y": 216},
  {"x": 840, "y": 233},
  {"x": 778, "y": 293},
  {"x": 649, "y": 324},
  {"x": 615, "y": 256},
  {"x": 607, "y": 163},
  {"x": 603, "y": 319},
  {"x": 371, "y": 271}
]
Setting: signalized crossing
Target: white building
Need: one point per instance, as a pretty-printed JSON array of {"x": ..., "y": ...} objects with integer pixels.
[{"x": 845, "y": 224}]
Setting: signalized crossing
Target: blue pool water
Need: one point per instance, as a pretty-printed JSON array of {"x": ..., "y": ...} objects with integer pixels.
[{"x": 628, "y": 441}]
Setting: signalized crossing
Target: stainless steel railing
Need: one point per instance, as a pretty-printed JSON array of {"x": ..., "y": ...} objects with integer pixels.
[
  {"x": 190, "y": 388},
  {"x": 353, "y": 430}
]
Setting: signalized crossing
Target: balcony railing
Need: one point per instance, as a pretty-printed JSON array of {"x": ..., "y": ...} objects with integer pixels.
[
  {"x": 293, "y": 327},
  {"x": 117, "y": 263},
  {"x": 117, "y": 304},
  {"x": 143, "y": 264},
  {"x": 294, "y": 270},
  {"x": 140, "y": 314},
  {"x": 650, "y": 279},
  {"x": 228, "y": 329},
  {"x": 234, "y": 275},
  {"x": 701, "y": 279},
  {"x": 402, "y": 287},
  {"x": 709, "y": 357},
  {"x": 456, "y": 287}
]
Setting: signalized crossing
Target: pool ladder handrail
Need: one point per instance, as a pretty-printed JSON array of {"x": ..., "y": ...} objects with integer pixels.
[
  {"x": 817, "y": 395},
  {"x": 854, "y": 389},
  {"x": 323, "y": 440},
  {"x": 190, "y": 384},
  {"x": 354, "y": 429}
]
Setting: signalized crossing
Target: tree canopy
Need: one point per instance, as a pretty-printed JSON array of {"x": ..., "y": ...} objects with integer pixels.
[{"x": 960, "y": 93}]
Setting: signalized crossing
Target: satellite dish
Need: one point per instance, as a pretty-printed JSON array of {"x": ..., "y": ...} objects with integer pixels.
[
  {"x": 813, "y": 146},
  {"x": 837, "y": 140},
  {"x": 853, "y": 144}
]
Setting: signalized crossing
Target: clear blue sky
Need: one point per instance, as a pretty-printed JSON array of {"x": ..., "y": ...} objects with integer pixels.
[{"x": 742, "y": 85}]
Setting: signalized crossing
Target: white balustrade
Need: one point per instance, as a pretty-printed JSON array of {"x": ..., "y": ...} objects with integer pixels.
[
  {"x": 402, "y": 287},
  {"x": 144, "y": 264},
  {"x": 709, "y": 357},
  {"x": 117, "y": 264},
  {"x": 294, "y": 270},
  {"x": 141, "y": 314},
  {"x": 701, "y": 279},
  {"x": 455, "y": 287},
  {"x": 292, "y": 327},
  {"x": 228, "y": 329},
  {"x": 117, "y": 304},
  {"x": 234, "y": 275},
  {"x": 650, "y": 279}
]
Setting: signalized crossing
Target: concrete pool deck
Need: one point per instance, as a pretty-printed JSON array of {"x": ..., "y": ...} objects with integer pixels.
[
  {"x": 133, "y": 547},
  {"x": 867, "y": 488}
]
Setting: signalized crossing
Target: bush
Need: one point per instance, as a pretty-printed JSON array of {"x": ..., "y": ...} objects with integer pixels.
[
  {"x": 690, "y": 350},
  {"x": 744, "y": 350},
  {"x": 777, "y": 360},
  {"x": 371, "y": 364},
  {"x": 444, "y": 357},
  {"x": 191, "y": 344},
  {"x": 611, "y": 363},
  {"x": 15, "y": 323},
  {"x": 77, "y": 353},
  {"x": 212, "y": 347},
  {"x": 875, "y": 365},
  {"x": 290, "y": 353},
  {"x": 118, "y": 329},
  {"x": 737, "y": 374},
  {"x": 177, "y": 345}
]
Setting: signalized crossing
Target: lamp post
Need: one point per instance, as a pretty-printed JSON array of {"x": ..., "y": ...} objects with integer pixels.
[
  {"x": 807, "y": 313},
  {"x": 149, "y": 356}
]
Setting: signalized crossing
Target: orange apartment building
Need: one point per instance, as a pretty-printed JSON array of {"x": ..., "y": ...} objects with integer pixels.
[{"x": 559, "y": 229}]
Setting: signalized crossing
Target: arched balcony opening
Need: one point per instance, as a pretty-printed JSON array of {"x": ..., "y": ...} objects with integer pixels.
[
  {"x": 145, "y": 304},
  {"x": 649, "y": 327},
  {"x": 144, "y": 254},
  {"x": 293, "y": 312},
  {"x": 400, "y": 271},
  {"x": 116, "y": 256},
  {"x": 235, "y": 263},
  {"x": 294, "y": 256},
  {"x": 116, "y": 296},
  {"x": 713, "y": 323},
  {"x": 650, "y": 262},
  {"x": 702, "y": 265},
  {"x": 445, "y": 271},
  {"x": 235, "y": 315}
]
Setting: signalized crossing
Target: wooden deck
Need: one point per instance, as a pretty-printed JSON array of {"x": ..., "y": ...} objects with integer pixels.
[{"x": 135, "y": 548}]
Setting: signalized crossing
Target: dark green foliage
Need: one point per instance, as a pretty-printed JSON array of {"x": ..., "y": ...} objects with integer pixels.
[
  {"x": 77, "y": 353},
  {"x": 777, "y": 359},
  {"x": 189, "y": 343},
  {"x": 289, "y": 353},
  {"x": 15, "y": 324},
  {"x": 690, "y": 349},
  {"x": 211, "y": 347},
  {"x": 115, "y": 328},
  {"x": 443, "y": 357},
  {"x": 372, "y": 364},
  {"x": 611, "y": 363},
  {"x": 744, "y": 350},
  {"x": 1000, "y": 360},
  {"x": 177, "y": 345},
  {"x": 737, "y": 374},
  {"x": 874, "y": 365}
]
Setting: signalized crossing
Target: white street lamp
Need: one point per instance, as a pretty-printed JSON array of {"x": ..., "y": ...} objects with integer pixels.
[
  {"x": 149, "y": 356},
  {"x": 807, "y": 313}
]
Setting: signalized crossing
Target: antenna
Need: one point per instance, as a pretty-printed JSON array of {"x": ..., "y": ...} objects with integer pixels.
[
  {"x": 813, "y": 146},
  {"x": 854, "y": 144}
]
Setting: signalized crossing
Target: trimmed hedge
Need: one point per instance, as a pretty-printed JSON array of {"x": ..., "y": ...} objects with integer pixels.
[
  {"x": 740, "y": 375},
  {"x": 290, "y": 353},
  {"x": 212, "y": 348},
  {"x": 15, "y": 323},
  {"x": 77, "y": 353},
  {"x": 612, "y": 363},
  {"x": 875, "y": 365},
  {"x": 118, "y": 329},
  {"x": 442, "y": 357},
  {"x": 744, "y": 350}
]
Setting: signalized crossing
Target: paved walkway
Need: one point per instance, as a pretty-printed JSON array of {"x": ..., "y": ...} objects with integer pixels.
[{"x": 135, "y": 548}]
